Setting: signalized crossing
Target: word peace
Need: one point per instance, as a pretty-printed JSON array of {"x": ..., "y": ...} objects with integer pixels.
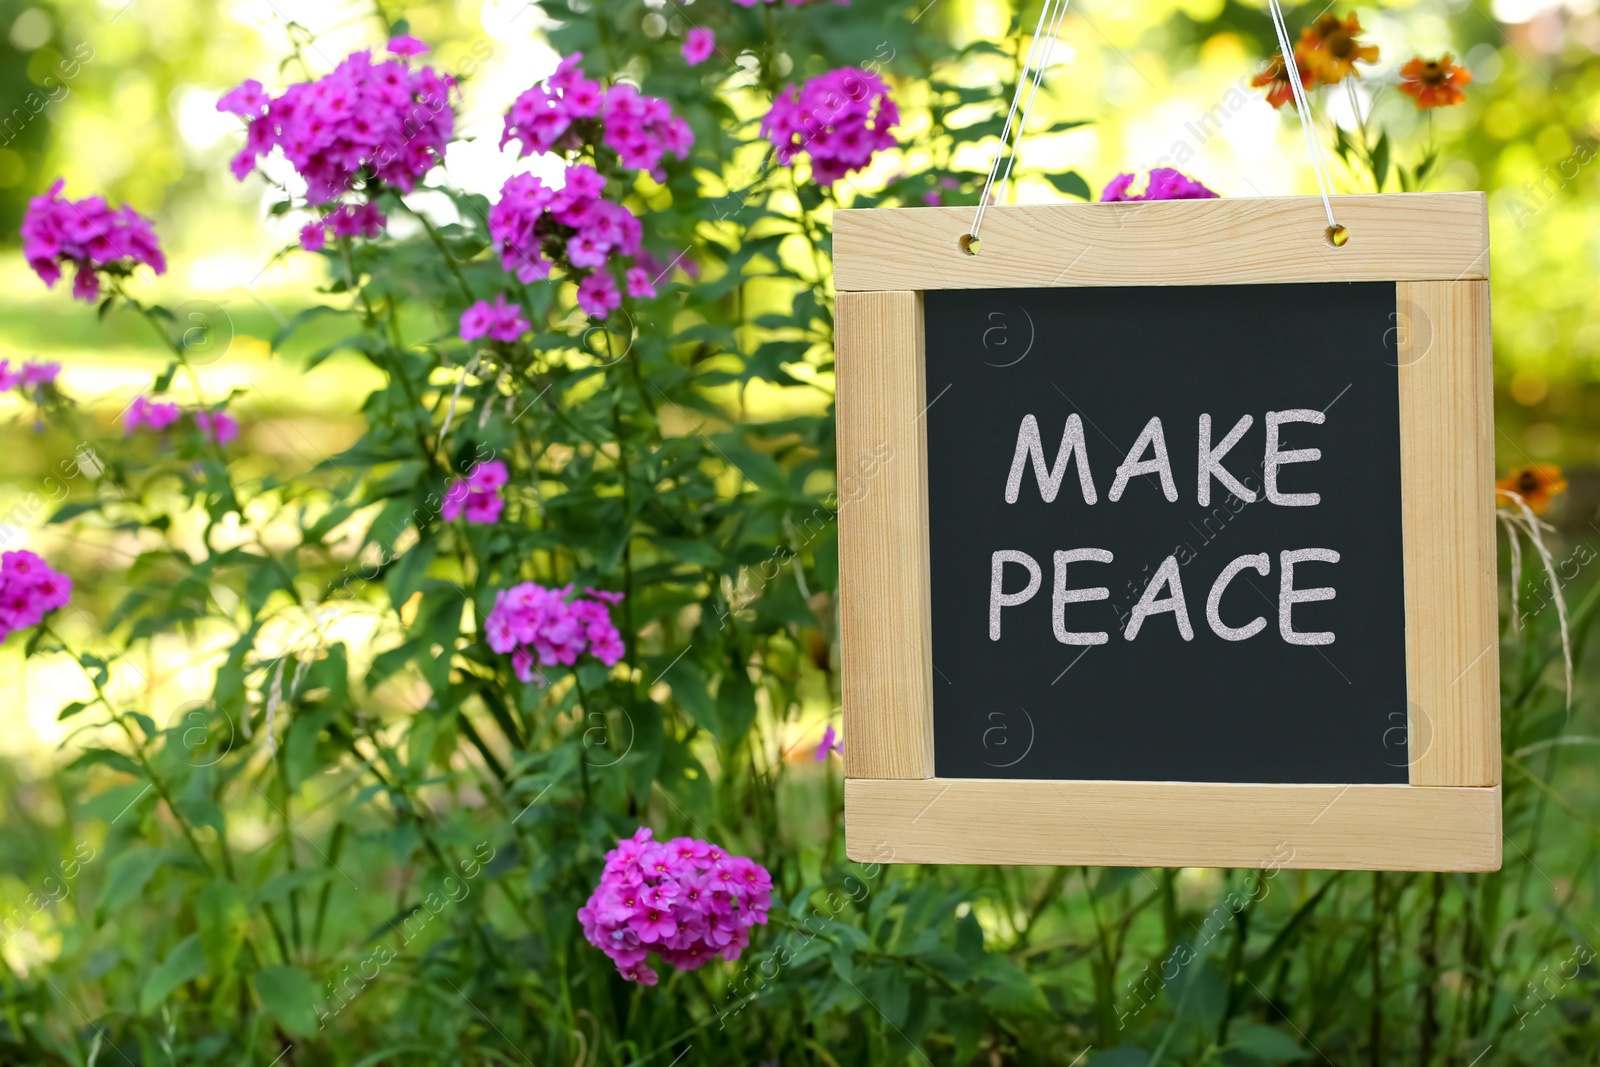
[{"x": 1166, "y": 579}]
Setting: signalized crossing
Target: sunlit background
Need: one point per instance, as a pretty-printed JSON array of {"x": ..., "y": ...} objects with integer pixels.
[{"x": 1160, "y": 82}]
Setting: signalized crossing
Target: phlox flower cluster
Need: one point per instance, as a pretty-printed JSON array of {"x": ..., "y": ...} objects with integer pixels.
[
  {"x": 216, "y": 426},
  {"x": 830, "y": 742},
  {"x": 158, "y": 415},
  {"x": 367, "y": 119},
  {"x": 28, "y": 375},
  {"x": 529, "y": 620},
  {"x": 568, "y": 111},
  {"x": 1165, "y": 184},
  {"x": 685, "y": 899},
  {"x": 935, "y": 197},
  {"x": 498, "y": 321},
  {"x": 532, "y": 226},
  {"x": 346, "y": 220},
  {"x": 477, "y": 495},
  {"x": 29, "y": 587},
  {"x": 840, "y": 119},
  {"x": 698, "y": 44},
  {"x": 89, "y": 235}
]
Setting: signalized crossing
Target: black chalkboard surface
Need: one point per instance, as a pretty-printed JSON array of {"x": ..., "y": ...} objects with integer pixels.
[{"x": 1314, "y": 694}]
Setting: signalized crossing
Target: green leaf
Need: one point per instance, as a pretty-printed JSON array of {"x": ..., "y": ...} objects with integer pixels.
[
  {"x": 299, "y": 319},
  {"x": 186, "y": 963},
  {"x": 758, "y": 467},
  {"x": 290, "y": 997},
  {"x": 689, "y": 549},
  {"x": 689, "y": 689},
  {"x": 109, "y": 757},
  {"x": 736, "y": 705},
  {"x": 127, "y": 877},
  {"x": 767, "y": 361},
  {"x": 278, "y": 887},
  {"x": 1267, "y": 1045},
  {"x": 1341, "y": 143},
  {"x": 1009, "y": 989},
  {"x": 1072, "y": 183},
  {"x": 1380, "y": 161},
  {"x": 72, "y": 511},
  {"x": 408, "y": 572},
  {"x": 114, "y": 802},
  {"x": 1256, "y": 970},
  {"x": 223, "y": 919},
  {"x": 1198, "y": 994}
]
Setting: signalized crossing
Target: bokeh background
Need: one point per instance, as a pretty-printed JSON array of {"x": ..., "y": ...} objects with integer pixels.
[
  {"x": 1157, "y": 81},
  {"x": 1151, "y": 82}
]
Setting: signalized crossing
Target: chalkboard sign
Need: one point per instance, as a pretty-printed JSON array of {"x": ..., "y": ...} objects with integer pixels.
[{"x": 1166, "y": 535}]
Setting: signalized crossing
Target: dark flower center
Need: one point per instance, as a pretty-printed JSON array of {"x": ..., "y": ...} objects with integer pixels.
[{"x": 1432, "y": 73}]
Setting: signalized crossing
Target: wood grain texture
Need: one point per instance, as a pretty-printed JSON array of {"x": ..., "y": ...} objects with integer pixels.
[
  {"x": 1447, "y": 516},
  {"x": 1393, "y": 237},
  {"x": 1172, "y": 824},
  {"x": 884, "y": 609}
]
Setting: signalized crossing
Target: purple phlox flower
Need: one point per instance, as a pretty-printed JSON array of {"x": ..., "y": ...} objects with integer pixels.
[
  {"x": 698, "y": 44},
  {"x": 477, "y": 496},
  {"x": 1165, "y": 184},
  {"x": 639, "y": 284},
  {"x": 39, "y": 373},
  {"x": 498, "y": 321},
  {"x": 358, "y": 220},
  {"x": 830, "y": 743},
  {"x": 535, "y": 228},
  {"x": 840, "y": 119},
  {"x": 218, "y": 427},
  {"x": 687, "y": 901},
  {"x": 156, "y": 414},
  {"x": 598, "y": 295},
  {"x": 367, "y": 119},
  {"x": 247, "y": 100},
  {"x": 406, "y": 45},
  {"x": 89, "y": 236},
  {"x": 550, "y": 624},
  {"x": 314, "y": 236},
  {"x": 29, "y": 589}
]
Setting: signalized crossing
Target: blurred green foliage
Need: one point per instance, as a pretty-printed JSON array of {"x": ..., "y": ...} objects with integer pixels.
[{"x": 394, "y": 878}]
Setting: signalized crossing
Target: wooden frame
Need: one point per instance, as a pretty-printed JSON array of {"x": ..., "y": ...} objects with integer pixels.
[{"x": 1434, "y": 246}]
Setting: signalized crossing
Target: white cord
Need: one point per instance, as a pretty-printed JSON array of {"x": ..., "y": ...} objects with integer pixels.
[
  {"x": 1038, "y": 60},
  {"x": 1027, "y": 109},
  {"x": 1039, "y": 45},
  {"x": 1291, "y": 70}
]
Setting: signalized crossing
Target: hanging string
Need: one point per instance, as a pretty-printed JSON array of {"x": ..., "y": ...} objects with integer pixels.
[
  {"x": 1033, "y": 92},
  {"x": 1337, "y": 234},
  {"x": 1038, "y": 61},
  {"x": 1038, "y": 51}
]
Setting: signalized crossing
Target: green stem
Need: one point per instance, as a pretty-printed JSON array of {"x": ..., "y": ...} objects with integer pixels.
[{"x": 444, "y": 252}]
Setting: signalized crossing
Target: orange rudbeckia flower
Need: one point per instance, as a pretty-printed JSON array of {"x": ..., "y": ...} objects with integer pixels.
[
  {"x": 1332, "y": 47},
  {"x": 1537, "y": 484},
  {"x": 1275, "y": 79},
  {"x": 1434, "y": 82}
]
